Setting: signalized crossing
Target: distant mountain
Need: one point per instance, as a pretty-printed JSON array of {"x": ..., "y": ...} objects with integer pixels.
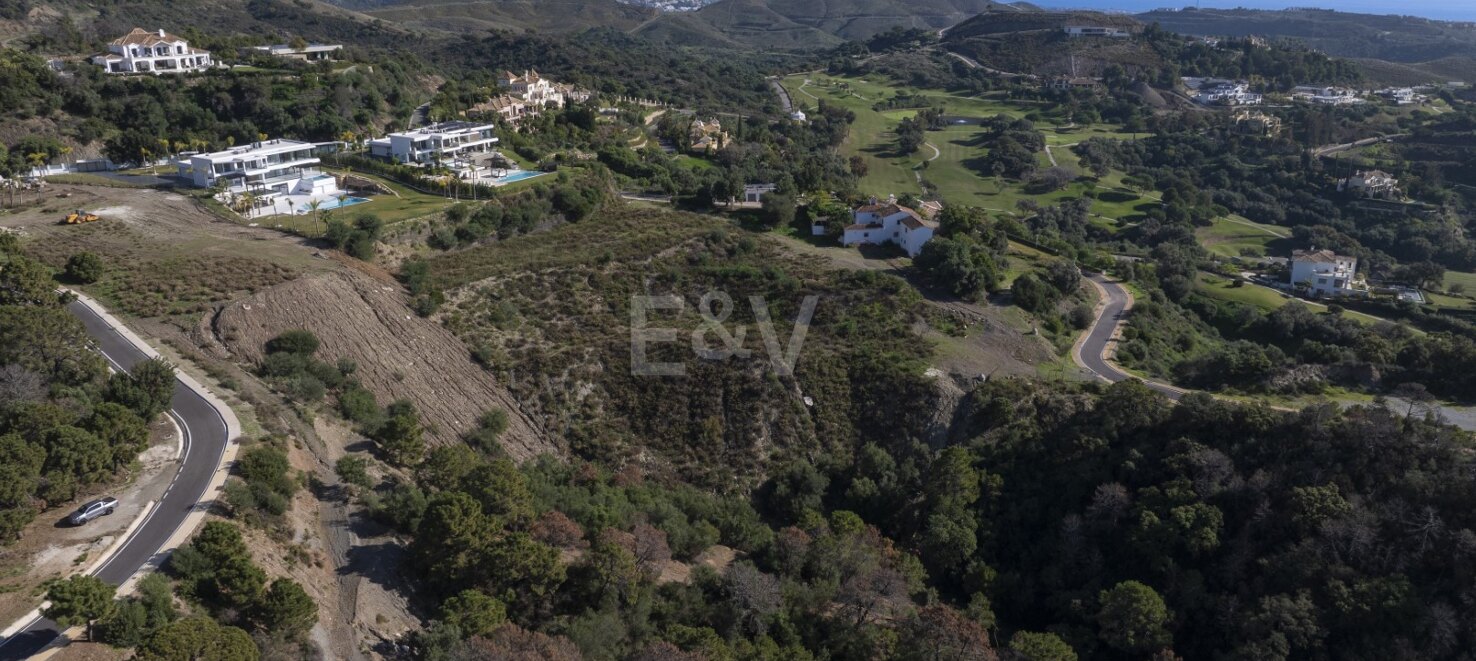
[
  {"x": 539, "y": 15},
  {"x": 1392, "y": 38},
  {"x": 808, "y": 23}
]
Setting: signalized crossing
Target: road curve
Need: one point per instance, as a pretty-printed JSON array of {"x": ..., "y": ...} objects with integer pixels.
[
  {"x": 1091, "y": 352},
  {"x": 207, "y": 433}
]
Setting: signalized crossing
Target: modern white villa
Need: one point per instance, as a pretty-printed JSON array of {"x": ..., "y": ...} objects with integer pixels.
[
  {"x": 1078, "y": 31},
  {"x": 1326, "y": 95},
  {"x": 1326, "y": 273},
  {"x": 889, "y": 222},
  {"x": 270, "y": 177},
  {"x": 438, "y": 143},
  {"x": 307, "y": 53},
  {"x": 141, "y": 51},
  {"x": 1227, "y": 93}
]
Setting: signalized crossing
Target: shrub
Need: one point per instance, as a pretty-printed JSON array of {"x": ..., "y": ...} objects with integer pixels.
[{"x": 84, "y": 268}]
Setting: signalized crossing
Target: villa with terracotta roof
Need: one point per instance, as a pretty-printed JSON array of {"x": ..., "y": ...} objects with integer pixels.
[
  {"x": 141, "y": 51},
  {"x": 531, "y": 88},
  {"x": 889, "y": 222}
]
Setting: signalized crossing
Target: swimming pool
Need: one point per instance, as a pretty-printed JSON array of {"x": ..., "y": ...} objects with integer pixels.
[
  {"x": 335, "y": 203},
  {"x": 516, "y": 175}
]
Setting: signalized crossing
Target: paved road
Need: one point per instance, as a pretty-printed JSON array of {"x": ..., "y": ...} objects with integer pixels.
[
  {"x": 205, "y": 439},
  {"x": 1100, "y": 335}
]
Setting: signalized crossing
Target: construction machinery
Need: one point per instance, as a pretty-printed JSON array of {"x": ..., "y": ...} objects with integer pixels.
[{"x": 79, "y": 216}]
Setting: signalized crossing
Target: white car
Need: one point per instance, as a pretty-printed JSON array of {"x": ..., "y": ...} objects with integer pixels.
[{"x": 92, "y": 510}]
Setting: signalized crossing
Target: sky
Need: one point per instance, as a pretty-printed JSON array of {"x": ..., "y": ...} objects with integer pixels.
[{"x": 1450, "y": 10}]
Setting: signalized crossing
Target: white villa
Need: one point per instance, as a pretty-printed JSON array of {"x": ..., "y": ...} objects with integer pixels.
[
  {"x": 308, "y": 53},
  {"x": 444, "y": 142},
  {"x": 876, "y": 224},
  {"x": 1078, "y": 31},
  {"x": 1400, "y": 96},
  {"x": 1371, "y": 184},
  {"x": 1325, "y": 273},
  {"x": 275, "y": 176},
  {"x": 754, "y": 193},
  {"x": 525, "y": 95},
  {"x": 1324, "y": 95},
  {"x": 1227, "y": 93},
  {"x": 141, "y": 51},
  {"x": 532, "y": 89}
]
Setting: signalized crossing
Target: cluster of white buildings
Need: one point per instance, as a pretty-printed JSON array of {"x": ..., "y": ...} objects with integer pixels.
[
  {"x": 141, "y": 51},
  {"x": 1216, "y": 92},
  {"x": 265, "y": 178},
  {"x": 526, "y": 95},
  {"x": 1325, "y": 273},
  {"x": 1400, "y": 96},
  {"x": 889, "y": 222}
]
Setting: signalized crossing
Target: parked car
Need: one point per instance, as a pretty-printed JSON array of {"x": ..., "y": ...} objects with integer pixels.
[{"x": 92, "y": 510}]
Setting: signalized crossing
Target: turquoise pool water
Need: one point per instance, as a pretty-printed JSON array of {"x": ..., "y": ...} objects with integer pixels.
[
  {"x": 336, "y": 203},
  {"x": 517, "y": 175}
]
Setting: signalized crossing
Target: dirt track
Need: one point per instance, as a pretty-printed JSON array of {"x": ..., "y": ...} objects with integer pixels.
[{"x": 400, "y": 355}]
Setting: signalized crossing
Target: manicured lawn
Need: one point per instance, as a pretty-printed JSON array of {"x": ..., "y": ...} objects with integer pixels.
[
  {"x": 1264, "y": 297},
  {"x": 956, "y": 169},
  {"x": 1235, "y": 236},
  {"x": 1462, "y": 278},
  {"x": 407, "y": 205}
]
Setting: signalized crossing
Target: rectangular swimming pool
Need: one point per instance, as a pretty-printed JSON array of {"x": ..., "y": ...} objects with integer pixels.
[
  {"x": 335, "y": 203},
  {"x": 516, "y": 175}
]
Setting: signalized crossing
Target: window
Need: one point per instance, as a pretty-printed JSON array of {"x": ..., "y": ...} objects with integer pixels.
[{"x": 1322, "y": 281}]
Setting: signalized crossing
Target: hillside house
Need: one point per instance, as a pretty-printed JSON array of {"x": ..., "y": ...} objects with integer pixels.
[
  {"x": 306, "y": 53},
  {"x": 875, "y": 224},
  {"x": 141, "y": 51},
  {"x": 1371, "y": 184},
  {"x": 504, "y": 107},
  {"x": 1079, "y": 31},
  {"x": 1257, "y": 124},
  {"x": 754, "y": 193},
  {"x": 277, "y": 176},
  {"x": 1227, "y": 93},
  {"x": 1325, "y": 273},
  {"x": 532, "y": 89},
  {"x": 1325, "y": 95},
  {"x": 1399, "y": 96},
  {"x": 707, "y": 137},
  {"x": 1078, "y": 83},
  {"x": 438, "y": 143}
]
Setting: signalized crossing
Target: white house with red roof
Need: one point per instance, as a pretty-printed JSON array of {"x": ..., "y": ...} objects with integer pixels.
[
  {"x": 141, "y": 51},
  {"x": 889, "y": 222}
]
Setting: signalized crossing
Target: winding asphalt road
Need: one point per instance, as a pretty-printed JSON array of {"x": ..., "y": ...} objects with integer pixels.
[
  {"x": 1092, "y": 352},
  {"x": 205, "y": 438}
]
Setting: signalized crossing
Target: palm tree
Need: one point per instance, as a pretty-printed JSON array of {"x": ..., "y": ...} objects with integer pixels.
[{"x": 313, "y": 204}]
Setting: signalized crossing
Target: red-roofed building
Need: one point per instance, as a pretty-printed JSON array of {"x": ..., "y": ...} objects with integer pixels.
[
  {"x": 141, "y": 51},
  {"x": 876, "y": 224}
]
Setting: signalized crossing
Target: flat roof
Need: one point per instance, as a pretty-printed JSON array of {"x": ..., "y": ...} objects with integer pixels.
[
  {"x": 457, "y": 126},
  {"x": 266, "y": 148}
]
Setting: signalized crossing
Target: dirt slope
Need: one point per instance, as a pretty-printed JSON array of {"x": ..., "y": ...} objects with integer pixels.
[{"x": 400, "y": 355}]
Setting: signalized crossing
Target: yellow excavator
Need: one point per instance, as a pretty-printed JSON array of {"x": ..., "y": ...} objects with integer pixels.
[{"x": 79, "y": 216}]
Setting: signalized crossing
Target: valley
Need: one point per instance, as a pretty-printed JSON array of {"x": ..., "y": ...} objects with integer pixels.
[{"x": 744, "y": 330}]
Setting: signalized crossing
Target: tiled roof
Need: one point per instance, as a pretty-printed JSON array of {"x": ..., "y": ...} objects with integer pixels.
[
  {"x": 1314, "y": 256},
  {"x": 142, "y": 37}
]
